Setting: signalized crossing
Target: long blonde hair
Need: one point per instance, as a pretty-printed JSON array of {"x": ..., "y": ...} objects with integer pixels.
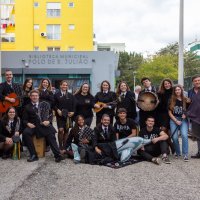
[
  {"x": 49, "y": 88},
  {"x": 174, "y": 98}
]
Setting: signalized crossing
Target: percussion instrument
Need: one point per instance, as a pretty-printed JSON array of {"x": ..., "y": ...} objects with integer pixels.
[{"x": 147, "y": 101}]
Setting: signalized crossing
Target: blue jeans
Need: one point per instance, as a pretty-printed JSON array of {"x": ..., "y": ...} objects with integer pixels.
[{"x": 184, "y": 135}]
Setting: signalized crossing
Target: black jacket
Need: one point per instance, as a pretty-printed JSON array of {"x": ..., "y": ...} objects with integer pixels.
[
  {"x": 100, "y": 137},
  {"x": 68, "y": 102},
  {"x": 30, "y": 115},
  {"x": 47, "y": 96},
  {"x": 84, "y": 105},
  {"x": 106, "y": 98},
  {"x": 129, "y": 104},
  {"x": 6, "y": 89},
  {"x": 4, "y": 131}
]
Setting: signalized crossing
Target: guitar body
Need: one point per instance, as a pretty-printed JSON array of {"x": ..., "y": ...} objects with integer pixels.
[
  {"x": 101, "y": 104},
  {"x": 4, "y": 105}
]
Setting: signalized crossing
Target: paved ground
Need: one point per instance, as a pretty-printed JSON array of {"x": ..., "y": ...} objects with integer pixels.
[{"x": 58, "y": 181}]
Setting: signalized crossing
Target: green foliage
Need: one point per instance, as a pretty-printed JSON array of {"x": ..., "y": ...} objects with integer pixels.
[
  {"x": 158, "y": 68},
  {"x": 164, "y": 64}
]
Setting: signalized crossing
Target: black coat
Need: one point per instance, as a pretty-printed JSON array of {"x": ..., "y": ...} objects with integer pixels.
[
  {"x": 99, "y": 136},
  {"x": 106, "y": 98},
  {"x": 30, "y": 116},
  {"x": 84, "y": 105},
  {"x": 6, "y": 89},
  {"x": 68, "y": 102},
  {"x": 129, "y": 104},
  {"x": 47, "y": 96}
]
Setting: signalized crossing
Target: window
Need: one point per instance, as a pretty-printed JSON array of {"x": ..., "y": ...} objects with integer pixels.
[
  {"x": 53, "y": 48},
  {"x": 36, "y": 4},
  {"x": 71, "y": 48},
  {"x": 8, "y": 37},
  {"x": 7, "y": 1},
  {"x": 54, "y": 32},
  {"x": 71, "y": 26},
  {"x": 53, "y": 9},
  {"x": 36, "y": 26},
  {"x": 71, "y": 4},
  {"x": 36, "y": 48}
]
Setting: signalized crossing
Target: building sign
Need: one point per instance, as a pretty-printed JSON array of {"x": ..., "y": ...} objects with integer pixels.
[{"x": 57, "y": 59}]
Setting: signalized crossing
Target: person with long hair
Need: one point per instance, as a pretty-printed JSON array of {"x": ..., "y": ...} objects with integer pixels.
[
  {"x": 27, "y": 87},
  {"x": 164, "y": 94},
  {"x": 108, "y": 97},
  {"x": 45, "y": 90},
  {"x": 79, "y": 139},
  {"x": 10, "y": 126},
  {"x": 178, "y": 120},
  {"x": 46, "y": 94},
  {"x": 84, "y": 103},
  {"x": 65, "y": 106},
  {"x": 126, "y": 99}
]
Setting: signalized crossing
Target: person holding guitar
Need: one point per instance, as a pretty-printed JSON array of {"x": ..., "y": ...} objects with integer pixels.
[
  {"x": 105, "y": 101},
  {"x": 9, "y": 92}
]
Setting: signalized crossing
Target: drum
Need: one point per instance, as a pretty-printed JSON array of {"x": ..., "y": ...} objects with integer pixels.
[{"x": 147, "y": 101}]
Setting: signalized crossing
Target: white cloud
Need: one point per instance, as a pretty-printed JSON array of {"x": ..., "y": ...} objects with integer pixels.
[{"x": 144, "y": 25}]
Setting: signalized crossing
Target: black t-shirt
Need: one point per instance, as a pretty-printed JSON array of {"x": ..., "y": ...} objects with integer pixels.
[
  {"x": 178, "y": 108},
  {"x": 84, "y": 105},
  {"x": 144, "y": 133},
  {"x": 124, "y": 130}
]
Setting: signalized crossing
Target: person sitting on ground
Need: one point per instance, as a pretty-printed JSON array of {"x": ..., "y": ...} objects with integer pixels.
[
  {"x": 124, "y": 127},
  {"x": 79, "y": 139},
  {"x": 9, "y": 126},
  {"x": 158, "y": 146},
  {"x": 103, "y": 133}
]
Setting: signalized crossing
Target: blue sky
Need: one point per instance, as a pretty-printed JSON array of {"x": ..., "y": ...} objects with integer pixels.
[{"x": 145, "y": 25}]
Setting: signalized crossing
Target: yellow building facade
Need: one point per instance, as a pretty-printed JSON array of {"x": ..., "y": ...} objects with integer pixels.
[{"x": 46, "y": 25}]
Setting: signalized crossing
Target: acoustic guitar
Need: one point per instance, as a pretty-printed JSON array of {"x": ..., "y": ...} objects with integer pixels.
[
  {"x": 101, "y": 104},
  {"x": 4, "y": 105}
]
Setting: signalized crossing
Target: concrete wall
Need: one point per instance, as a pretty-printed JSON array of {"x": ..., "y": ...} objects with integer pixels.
[{"x": 100, "y": 65}]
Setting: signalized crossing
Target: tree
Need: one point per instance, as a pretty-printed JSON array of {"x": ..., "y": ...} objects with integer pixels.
[
  {"x": 129, "y": 63},
  {"x": 158, "y": 68}
]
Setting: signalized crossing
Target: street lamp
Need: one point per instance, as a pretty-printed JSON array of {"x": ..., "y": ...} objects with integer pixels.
[
  {"x": 134, "y": 79},
  {"x": 25, "y": 65},
  {"x": 181, "y": 44}
]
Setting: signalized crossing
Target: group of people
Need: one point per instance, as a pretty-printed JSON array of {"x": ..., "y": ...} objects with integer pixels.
[{"x": 121, "y": 130}]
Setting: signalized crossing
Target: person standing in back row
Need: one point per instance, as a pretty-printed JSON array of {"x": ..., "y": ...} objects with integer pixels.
[
  {"x": 65, "y": 105},
  {"x": 126, "y": 99},
  {"x": 84, "y": 103},
  {"x": 146, "y": 82},
  {"x": 107, "y": 97}
]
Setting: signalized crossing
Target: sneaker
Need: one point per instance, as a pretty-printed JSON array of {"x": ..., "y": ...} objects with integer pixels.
[
  {"x": 156, "y": 161},
  {"x": 196, "y": 156},
  {"x": 177, "y": 156},
  {"x": 186, "y": 158},
  {"x": 59, "y": 158},
  {"x": 166, "y": 160}
]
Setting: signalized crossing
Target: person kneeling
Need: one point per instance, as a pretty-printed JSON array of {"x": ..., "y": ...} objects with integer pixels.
[
  {"x": 36, "y": 119},
  {"x": 158, "y": 143}
]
